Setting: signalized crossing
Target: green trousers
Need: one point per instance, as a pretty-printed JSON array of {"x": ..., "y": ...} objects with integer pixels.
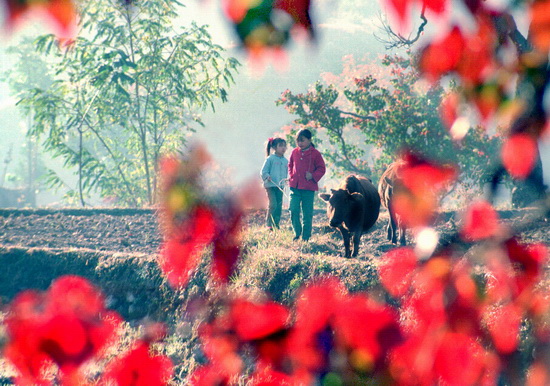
[
  {"x": 301, "y": 199},
  {"x": 275, "y": 196}
]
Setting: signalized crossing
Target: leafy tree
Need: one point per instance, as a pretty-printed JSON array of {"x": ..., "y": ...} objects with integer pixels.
[
  {"x": 388, "y": 114},
  {"x": 126, "y": 90}
]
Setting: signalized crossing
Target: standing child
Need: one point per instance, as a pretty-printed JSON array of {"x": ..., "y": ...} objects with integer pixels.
[
  {"x": 306, "y": 167},
  {"x": 274, "y": 173}
]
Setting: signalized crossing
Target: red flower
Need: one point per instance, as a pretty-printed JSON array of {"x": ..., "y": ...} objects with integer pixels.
[
  {"x": 316, "y": 303},
  {"x": 443, "y": 56},
  {"x": 480, "y": 222},
  {"x": 256, "y": 321},
  {"x": 504, "y": 323},
  {"x": 62, "y": 12},
  {"x": 396, "y": 270},
  {"x": 297, "y": 9},
  {"x": 66, "y": 325},
  {"x": 477, "y": 58},
  {"x": 310, "y": 338},
  {"x": 540, "y": 25},
  {"x": 528, "y": 262},
  {"x": 417, "y": 188},
  {"x": 193, "y": 220},
  {"x": 138, "y": 367},
  {"x": 470, "y": 56},
  {"x": 459, "y": 359},
  {"x": 519, "y": 154},
  {"x": 366, "y": 328},
  {"x": 181, "y": 253},
  {"x": 401, "y": 8}
]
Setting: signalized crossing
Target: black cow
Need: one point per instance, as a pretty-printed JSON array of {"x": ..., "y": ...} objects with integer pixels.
[
  {"x": 353, "y": 209},
  {"x": 385, "y": 189}
]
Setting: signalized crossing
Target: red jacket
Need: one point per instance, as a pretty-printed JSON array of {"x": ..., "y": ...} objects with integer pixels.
[{"x": 309, "y": 160}]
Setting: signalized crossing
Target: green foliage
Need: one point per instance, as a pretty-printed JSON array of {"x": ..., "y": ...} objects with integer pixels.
[
  {"x": 390, "y": 115},
  {"x": 128, "y": 89}
]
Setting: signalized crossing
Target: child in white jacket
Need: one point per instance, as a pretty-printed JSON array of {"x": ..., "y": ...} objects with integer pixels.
[{"x": 274, "y": 173}]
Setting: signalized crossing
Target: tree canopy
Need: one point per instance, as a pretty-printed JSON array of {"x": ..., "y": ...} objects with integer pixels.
[
  {"x": 389, "y": 113},
  {"x": 127, "y": 89}
]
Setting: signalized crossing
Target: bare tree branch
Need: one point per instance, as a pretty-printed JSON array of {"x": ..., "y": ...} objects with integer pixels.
[{"x": 396, "y": 40}]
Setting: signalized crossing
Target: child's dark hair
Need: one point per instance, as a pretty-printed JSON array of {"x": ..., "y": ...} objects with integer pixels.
[
  {"x": 304, "y": 133},
  {"x": 272, "y": 143}
]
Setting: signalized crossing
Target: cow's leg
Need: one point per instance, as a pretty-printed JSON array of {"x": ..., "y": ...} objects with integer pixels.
[
  {"x": 402, "y": 235},
  {"x": 346, "y": 237},
  {"x": 389, "y": 228},
  {"x": 393, "y": 225},
  {"x": 356, "y": 241}
]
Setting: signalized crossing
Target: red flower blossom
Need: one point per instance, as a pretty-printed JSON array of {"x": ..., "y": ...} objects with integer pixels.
[
  {"x": 193, "y": 220},
  {"x": 368, "y": 329},
  {"x": 297, "y": 9},
  {"x": 401, "y": 8},
  {"x": 310, "y": 338},
  {"x": 66, "y": 325},
  {"x": 459, "y": 359},
  {"x": 316, "y": 303},
  {"x": 181, "y": 253},
  {"x": 61, "y": 12},
  {"x": 256, "y": 321},
  {"x": 519, "y": 154},
  {"x": 470, "y": 56},
  {"x": 503, "y": 323},
  {"x": 417, "y": 188},
  {"x": 527, "y": 262},
  {"x": 540, "y": 25},
  {"x": 220, "y": 345},
  {"x": 139, "y": 367},
  {"x": 443, "y": 56},
  {"x": 480, "y": 222},
  {"x": 397, "y": 269}
]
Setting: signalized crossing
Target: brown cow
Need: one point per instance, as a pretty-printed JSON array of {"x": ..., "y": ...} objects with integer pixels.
[
  {"x": 353, "y": 209},
  {"x": 385, "y": 189}
]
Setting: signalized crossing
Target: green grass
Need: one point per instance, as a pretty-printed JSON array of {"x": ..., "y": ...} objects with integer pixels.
[{"x": 274, "y": 264}]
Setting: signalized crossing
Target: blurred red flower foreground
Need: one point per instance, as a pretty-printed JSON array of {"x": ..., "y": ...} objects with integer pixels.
[
  {"x": 451, "y": 326},
  {"x": 68, "y": 325},
  {"x": 477, "y": 319}
]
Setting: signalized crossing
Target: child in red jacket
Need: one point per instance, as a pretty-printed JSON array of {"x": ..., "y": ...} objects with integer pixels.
[{"x": 305, "y": 168}]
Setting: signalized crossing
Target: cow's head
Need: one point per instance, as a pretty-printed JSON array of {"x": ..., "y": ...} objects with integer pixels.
[{"x": 339, "y": 205}]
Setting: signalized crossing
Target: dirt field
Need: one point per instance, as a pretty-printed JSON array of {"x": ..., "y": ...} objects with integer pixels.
[
  {"x": 136, "y": 231},
  {"x": 116, "y": 249}
]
